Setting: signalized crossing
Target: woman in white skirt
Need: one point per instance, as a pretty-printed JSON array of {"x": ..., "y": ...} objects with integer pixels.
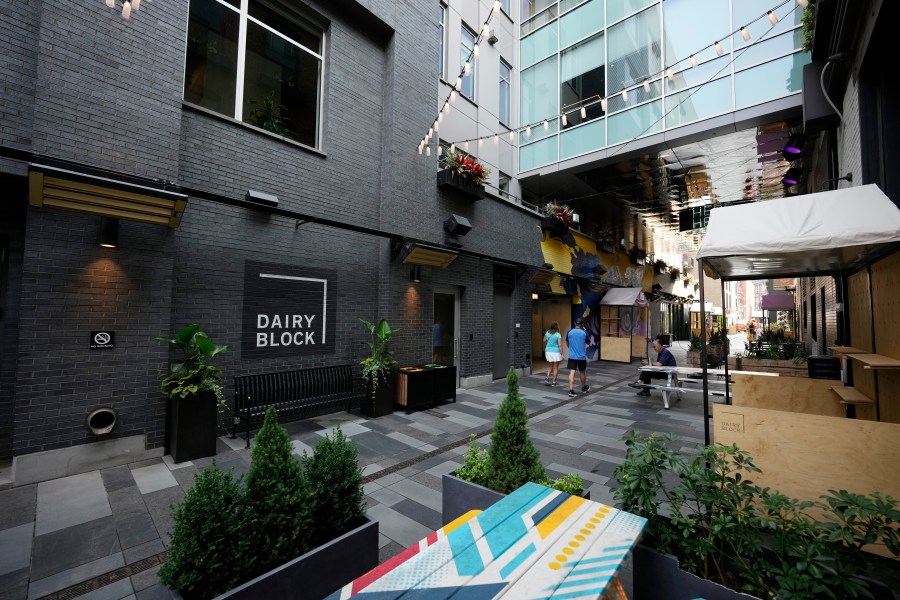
[{"x": 552, "y": 352}]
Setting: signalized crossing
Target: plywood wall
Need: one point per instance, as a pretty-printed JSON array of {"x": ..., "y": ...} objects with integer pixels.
[
  {"x": 860, "y": 317},
  {"x": 790, "y": 394},
  {"x": 886, "y": 299}
]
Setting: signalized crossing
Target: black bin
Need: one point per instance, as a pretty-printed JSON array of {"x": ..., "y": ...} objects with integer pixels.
[{"x": 824, "y": 367}]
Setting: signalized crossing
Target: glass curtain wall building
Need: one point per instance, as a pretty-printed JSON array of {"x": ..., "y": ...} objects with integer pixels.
[{"x": 621, "y": 69}]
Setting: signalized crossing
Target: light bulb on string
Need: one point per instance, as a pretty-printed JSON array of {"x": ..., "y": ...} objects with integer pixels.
[
  {"x": 458, "y": 83},
  {"x": 603, "y": 104},
  {"x": 718, "y": 48},
  {"x": 126, "y": 10},
  {"x": 803, "y": 3},
  {"x": 486, "y": 30},
  {"x": 475, "y": 51},
  {"x": 693, "y": 60},
  {"x": 467, "y": 68},
  {"x": 111, "y": 3},
  {"x": 440, "y": 116},
  {"x": 427, "y": 150},
  {"x": 430, "y": 131},
  {"x": 546, "y": 125},
  {"x": 453, "y": 95},
  {"x": 528, "y": 131},
  {"x": 565, "y": 121},
  {"x": 452, "y": 148},
  {"x": 496, "y": 139},
  {"x": 773, "y": 19},
  {"x": 583, "y": 112},
  {"x": 135, "y": 4},
  {"x": 745, "y": 34},
  {"x": 420, "y": 148},
  {"x": 670, "y": 74},
  {"x": 646, "y": 86},
  {"x": 466, "y": 145},
  {"x": 480, "y": 142},
  {"x": 624, "y": 94},
  {"x": 497, "y": 6},
  {"x": 447, "y": 107},
  {"x": 512, "y": 135}
]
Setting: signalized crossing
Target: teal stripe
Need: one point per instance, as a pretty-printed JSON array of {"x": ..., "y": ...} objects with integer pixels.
[
  {"x": 612, "y": 568},
  {"x": 568, "y": 584},
  {"x": 465, "y": 554},
  {"x": 518, "y": 560},
  {"x": 588, "y": 593},
  {"x": 588, "y": 561}
]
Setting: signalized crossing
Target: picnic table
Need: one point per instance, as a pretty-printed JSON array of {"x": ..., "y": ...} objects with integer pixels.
[
  {"x": 534, "y": 543},
  {"x": 676, "y": 377}
]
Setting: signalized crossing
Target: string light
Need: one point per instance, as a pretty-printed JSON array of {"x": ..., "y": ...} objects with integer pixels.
[
  {"x": 486, "y": 30},
  {"x": 603, "y": 104},
  {"x": 447, "y": 107},
  {"x": 624, "y": 94},
  {"x": 745, "y": 34},
  {"x": 452, "y": 96},
  {"x": 693, "y": 60},
  {"x": 480, "y": 142},
  {"x": 467, "y": 68},
  {"x": 528, "y": 131},
  {"x": 497, "y": 6},
  {"x": 670, "y": 74},
  {"x": 546, "y": 125},
  {"x": 496, "y": 139},
  {"x": 646, "y": 86},
  {"x": 512, "y": 135},
  {"x": 719, "y": 50},
  {"x": 135, "y": 5},
  {"x": 772, "y": 18},
  {"x": 803, "y": 3},
  {"x": 565, "y": 121},
  {"x": 466, "y": 145},
  {"x": 583, "y": 113},
  {"x": 427, "y": 150},
  {"x": 475, "y": 51},
  {"x": 126, "y": 10},
  {"x": 452, "y": 148},
  {"x": 111, "y": 3},
  {"x": 458, "y": 84}
]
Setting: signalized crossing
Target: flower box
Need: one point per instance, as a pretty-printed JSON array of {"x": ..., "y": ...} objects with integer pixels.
[
  {"x": 554, "y": 226},
  {"x": 465, "y": 187},
  {"x": 193, "y": 422},
  {"x": 659, "y": 577}
]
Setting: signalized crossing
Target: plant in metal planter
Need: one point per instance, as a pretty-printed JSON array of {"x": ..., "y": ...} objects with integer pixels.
[
  {"x": 722, "y": 527},
  {"x": 194, "y": 387},
  {"x": 463, "y": 174},
  {"x": 376, "y": 368},
  {"x": 557, "y": 219}
]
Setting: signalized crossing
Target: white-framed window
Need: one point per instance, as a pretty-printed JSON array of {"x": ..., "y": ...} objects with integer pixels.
[
  {"x": 467, "y": 42},
  {"x": 503, "y": 184},
  {"x": 505, "y": 91},
  {"x": 442, "y": 16},
  {"x": 258, "y": 61},
  {"x": 504, "y": 4}
]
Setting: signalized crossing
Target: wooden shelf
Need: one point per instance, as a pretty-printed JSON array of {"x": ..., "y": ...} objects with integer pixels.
[
  {"x": 847, "y": 350},
  {"x": 851, "y": 395},
  {"x": 875, "y": 361}
]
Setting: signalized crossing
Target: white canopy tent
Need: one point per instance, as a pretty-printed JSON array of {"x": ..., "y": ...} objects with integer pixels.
[
  {"x": 625, "y": 297},
  {"x": 827, "y": 233}
]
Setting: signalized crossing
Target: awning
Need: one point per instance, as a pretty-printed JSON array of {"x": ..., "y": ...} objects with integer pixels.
[
  {"x": 778, "y": 302},
  {"x": 625, "y": 297},
  {"x": 420, "y": 253},
  {"x": 825, "y": 232}
]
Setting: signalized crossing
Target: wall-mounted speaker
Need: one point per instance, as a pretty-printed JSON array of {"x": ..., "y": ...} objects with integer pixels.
[{"x": 457, "y": 225}]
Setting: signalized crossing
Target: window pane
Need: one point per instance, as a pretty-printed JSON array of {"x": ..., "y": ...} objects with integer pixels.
[
  {"x": 695, "y": 76},
  {"x": 210, "y": 72},
  {"x": 789, "y": 15},
  {"x": 537, "y": 154},
  {"x": 582, "y": 139},
  {"x": 634, "y": 49},
  {"x": 282, "y": 21},
  {"x": 615, "y": 102},
  {"x": 504, "y": 4},
  {"x": 565, "y": 5},
  {"x": 281, "y": 87},
  {"x": 539, "y": 45},
  {"x": 635, "y": 122},
  {"x": 763, "y": 51},
  {"x": 769, "y": 81},
  {"x": 711, "y": 99},
  {"x": 533, "y": 7},
  {"x": 504, "y": 93},
  {"x": 687, "y": 21},
  {"x": 580, "y": 23},
  {"x": 583, "y": 74},
  {"x": 503, "y": 184},
  {"x": 539, "y": 95},
  {"x": 541, "y": 19},
  {"x": 441, "y": 42},
  {"x": 620, "y": 8},
  {"x": 467, "y": 42}
]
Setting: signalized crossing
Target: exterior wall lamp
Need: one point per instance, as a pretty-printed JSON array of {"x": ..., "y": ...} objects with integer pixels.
[
  {"x": 415, "y": 274},
  {"x": 109, "y": 232}
]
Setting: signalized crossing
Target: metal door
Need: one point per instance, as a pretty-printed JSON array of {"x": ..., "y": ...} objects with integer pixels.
[{"x": 502, "y": 301}]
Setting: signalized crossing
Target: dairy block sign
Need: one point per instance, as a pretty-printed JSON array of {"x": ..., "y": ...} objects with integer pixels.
[{"x": 288, "y": 311}]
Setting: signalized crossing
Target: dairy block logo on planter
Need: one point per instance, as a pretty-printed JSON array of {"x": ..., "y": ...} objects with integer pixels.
[{"x": 288, "y": 310}]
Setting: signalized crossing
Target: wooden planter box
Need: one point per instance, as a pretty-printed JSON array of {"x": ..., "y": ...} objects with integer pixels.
[
  {"x": 193, "y": 423},
  {"x": 449, "y": 181},
  {"x": 319, "y": 572},
  {"x": 459, "y": 497},
  {"x": 554, "y": 227},
  {"x": 658, "y": 577}
]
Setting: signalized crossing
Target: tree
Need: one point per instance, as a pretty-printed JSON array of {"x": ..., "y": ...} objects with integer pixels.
[
  {"x": 513, "y": 459},
  {"x": 278, "y": 497}
]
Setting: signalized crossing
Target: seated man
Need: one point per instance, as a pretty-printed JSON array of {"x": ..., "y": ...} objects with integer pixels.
[{"x": 664, "y": 358}]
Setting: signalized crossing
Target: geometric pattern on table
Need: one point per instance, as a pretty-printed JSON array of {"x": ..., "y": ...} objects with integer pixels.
[{"x": 535, "y": 543}]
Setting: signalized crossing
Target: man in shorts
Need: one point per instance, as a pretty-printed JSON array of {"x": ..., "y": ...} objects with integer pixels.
[{"x": 577, "y": 340}]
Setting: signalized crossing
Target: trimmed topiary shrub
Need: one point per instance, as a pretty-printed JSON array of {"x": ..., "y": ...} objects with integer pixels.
[
  {"x": 338, "y": 504},
  {"x": 513, "y": 459},
  {"x": 210, "y": 550},
  {"x": 278, "y": 498}
]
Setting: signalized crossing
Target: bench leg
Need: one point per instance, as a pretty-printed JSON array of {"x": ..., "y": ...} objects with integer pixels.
[{"x": 665, "y": 395}]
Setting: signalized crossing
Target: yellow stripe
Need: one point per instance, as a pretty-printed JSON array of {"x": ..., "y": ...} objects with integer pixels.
[
  {"x": 459, "y": 521},
  {"x": 559, "y": 515}
]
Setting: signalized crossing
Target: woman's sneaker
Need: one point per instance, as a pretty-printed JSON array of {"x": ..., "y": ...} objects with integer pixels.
[
  {"x": 572, "y": 394},
  {"x": 585, "y": 389}
]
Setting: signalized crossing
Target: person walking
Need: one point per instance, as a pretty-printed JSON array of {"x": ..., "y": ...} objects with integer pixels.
[
  {"x": 552, "y": 353},
  {"x": 576, "y": 340}
]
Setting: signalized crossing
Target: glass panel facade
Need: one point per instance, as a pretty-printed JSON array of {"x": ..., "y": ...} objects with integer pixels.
[
  {"x": 533, "y": 7},
  {"x": 583, "y": 74},
  {"x": 539, "y": 93},
  {"x": 635, "y": 96},
  {"x": 579, "y": 140},
  {"x": 210, "y": 73},
  {"x": 695, "y": 76},
  {"x": 467, "y": 42},
  {"x": 687, "y": 22},
  {"x": 580, "y": 23},
  {"x": 567, "y": 5},
  {"x": 539, "y": 20},
  {"x": 769, "y": 81},
  {"x": 278, "y": 18},
  {"x": 789, "y": 16},
  {"x": 763, "y": 51},
  {"x": 441, "y": 17},
  {"x": 537, "y": 154},
  {"x": 619, "y": 8},
  {"x": 698, "y": 103},
  {"x": 635, "y": 49},
  {"x": 635, "y": 122},
  {"x": 539, "y": 45},
  {"x": 505, "y": 78}
]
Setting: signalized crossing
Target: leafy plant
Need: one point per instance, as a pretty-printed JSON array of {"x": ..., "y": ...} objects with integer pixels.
[
  {"x": 513, "y": 459},
  {"x": 560, "y": 212},
  {"x": 378, "y": 365},
  {"x": 193, "y": 373},
  {"x": 278, "y": 498},
  {"x": 210, "y": 550},
  {"x": 466, "y": 167},
  {"x": 800, "y": 355},
  {"x": 338, "y": 502},
  {"x": 809, "y": 26},
  {"x": 570, "y": 484},
  {"x": 475, "y": 464},
  {"x": 267, "y": 114},
  {"x": 696, "y": 344},
  {"x": 675, "y": 273}
]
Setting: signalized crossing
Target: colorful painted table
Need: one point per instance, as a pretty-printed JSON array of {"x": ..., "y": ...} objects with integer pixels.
[{"x": 534, "y": 543}]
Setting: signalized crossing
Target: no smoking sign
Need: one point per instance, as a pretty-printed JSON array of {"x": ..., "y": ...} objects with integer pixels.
[{"x": 101, "y": 340}]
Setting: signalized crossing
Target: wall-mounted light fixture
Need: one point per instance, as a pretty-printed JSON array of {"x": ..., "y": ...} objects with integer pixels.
[
  {"x": 109, "y": 232},
  {"x": 261, "y": 198},
  {"x": 415, "y": 274},
  {"x": 792, "y": 176},
  {"x": 534, "y": 296}
]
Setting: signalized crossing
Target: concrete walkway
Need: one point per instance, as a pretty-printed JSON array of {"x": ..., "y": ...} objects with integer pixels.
[{"x": 104, "y": 534}]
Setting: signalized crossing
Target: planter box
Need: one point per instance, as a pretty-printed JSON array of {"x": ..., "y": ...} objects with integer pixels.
[
  {"x": 193, "y": 423},
  {"x": 449, "y": 181},
  {"x": 459, "y": 497},
  {"x": 658, "y": 577},
  {"x": 554, "y": 227},
  {"x": 383, "y": 402},
  {"x": 319, "y": 572}
]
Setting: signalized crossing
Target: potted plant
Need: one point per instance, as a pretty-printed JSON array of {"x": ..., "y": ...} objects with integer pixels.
[
  {"x": 463, "y": 174},
  {"x": 637, "y": 255},
  {"x": 557, "y": 219},
  {"x": 510, "y": 462},
  {"x": 376, "y": 370},
  {"x": 675, "y": 273},
  {"x": 659, "y": 266},
  {"x": 194, "y": 389},
  {"x": 730, "y": 533}
]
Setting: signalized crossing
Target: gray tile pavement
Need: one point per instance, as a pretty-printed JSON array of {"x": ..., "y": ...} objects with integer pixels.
[{"x": 69, "y": 531}]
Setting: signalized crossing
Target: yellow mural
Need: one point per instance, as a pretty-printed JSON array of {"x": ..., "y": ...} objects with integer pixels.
[{"x": 576, "y": 254}]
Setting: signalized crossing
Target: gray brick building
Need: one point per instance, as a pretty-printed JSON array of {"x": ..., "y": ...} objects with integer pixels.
[{"x": 80, "y": 84}]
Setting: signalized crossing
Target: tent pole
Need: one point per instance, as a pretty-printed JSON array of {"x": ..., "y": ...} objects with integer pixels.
[
  {"x": 703, "y": 356},
  {"x": 725, "y": 341}
]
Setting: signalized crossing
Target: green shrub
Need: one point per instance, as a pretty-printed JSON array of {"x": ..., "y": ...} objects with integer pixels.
[
  {"x": 278, "y": 498},
  {"x": 338, "y": 500},
  {"x": 513, "y": 459},
  {"x": 210, "y": 550},
  {"x": 570, "y": 484},
  {"x": 475, "y": 464}
]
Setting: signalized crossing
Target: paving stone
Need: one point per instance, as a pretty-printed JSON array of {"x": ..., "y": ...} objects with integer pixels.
[
  {"x": 237, "y": 466},
  {"x": 349, "y": 428},
  {"x": 127, "y": 500},
  {"x": 370, "y": 487},
  {"x": 67, "y": 548},
  {"x": 371, "y": 468},
  {"x": 383, "y": 540},
  {"x": 153, "y": 478},
  {"x": 14, "y": 585},
  {"x": 389, "y": 551},
  {"x": 158, "y": 592},
  {"x": 70, "y": 501},
  {"x": 399, "y": 528},
  {"x": 185, "y": 477},
  {"x": 386, "y": 496},
  {"x": 411, "y": 441},
  {"x": 428, "y": 480},
  {"x": 159, "y": 504},
  {"x": 59, "y": 581},
  {"x": 135, "y": 529},
  {"x": 117, "y": 478},
  {"x": 389, "y": 479},
  {"x": 144, "y": 463},
  {"x": 298, "y": 447},
  {"x": 431, "y": 519},
  {"x": 170, "y": 463},
  {"x": 114, "y": 591},
  {"x": 15, "y": 548},
  {"x": 19, "y": 506},
  {"x": 146, "y": 579},
  {"x": 418, "y": 492},
  {"x": 151, "y": 548}
]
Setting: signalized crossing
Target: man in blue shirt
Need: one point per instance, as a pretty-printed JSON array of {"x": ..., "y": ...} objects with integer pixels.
[
  {"x": 577, "y": 340},
  {"x": 664, "y": 358}
]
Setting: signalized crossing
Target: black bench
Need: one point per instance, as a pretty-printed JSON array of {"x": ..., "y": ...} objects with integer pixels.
[{"x": 294, "y": 393}]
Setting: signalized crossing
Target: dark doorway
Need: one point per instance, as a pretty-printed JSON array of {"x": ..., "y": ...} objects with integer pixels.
[{"x": 502, "y": 301}]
